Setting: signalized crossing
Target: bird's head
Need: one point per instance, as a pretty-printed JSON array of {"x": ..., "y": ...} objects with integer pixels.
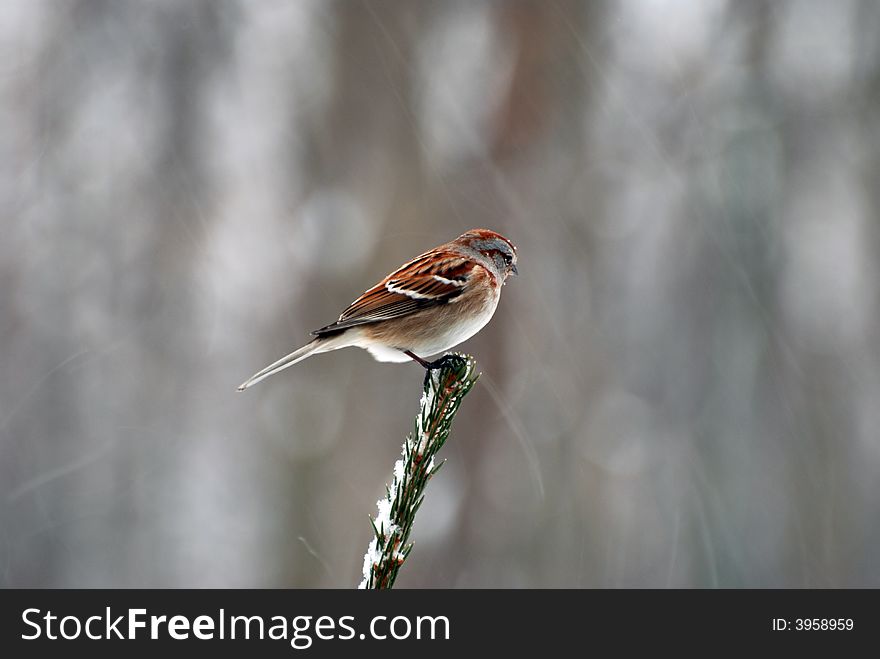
[{"x": 493, "y": 246}]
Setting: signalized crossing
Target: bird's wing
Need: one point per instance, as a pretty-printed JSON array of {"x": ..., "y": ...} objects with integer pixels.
[{"x": 434, "y": 278}]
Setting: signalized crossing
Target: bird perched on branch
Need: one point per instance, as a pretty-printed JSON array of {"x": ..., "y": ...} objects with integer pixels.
[{"x": 425, "y": 307}]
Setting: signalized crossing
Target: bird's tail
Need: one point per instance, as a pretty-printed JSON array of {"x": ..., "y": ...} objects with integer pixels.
[{"x": 309, "y": 349}]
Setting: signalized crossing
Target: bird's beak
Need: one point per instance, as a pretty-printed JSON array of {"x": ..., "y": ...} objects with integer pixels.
[{"x": 513, "y": 270}]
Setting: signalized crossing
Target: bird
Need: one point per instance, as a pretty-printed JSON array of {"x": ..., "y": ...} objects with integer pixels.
[{"x": 427, "y": 306}]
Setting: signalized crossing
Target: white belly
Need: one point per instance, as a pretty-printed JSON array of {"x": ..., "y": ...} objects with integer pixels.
[
  {"x": 458, "y": 332},
  {"x": 436, "y": 342}
]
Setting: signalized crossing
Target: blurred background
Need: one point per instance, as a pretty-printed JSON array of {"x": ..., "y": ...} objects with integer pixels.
[{"x": 681, "y": 389}]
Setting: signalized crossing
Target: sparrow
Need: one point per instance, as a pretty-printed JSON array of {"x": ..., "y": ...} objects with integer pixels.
[{"x": 425, "y": 307}]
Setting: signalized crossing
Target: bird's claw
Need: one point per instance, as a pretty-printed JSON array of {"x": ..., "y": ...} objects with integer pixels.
[{"x": 445, "y": 360}]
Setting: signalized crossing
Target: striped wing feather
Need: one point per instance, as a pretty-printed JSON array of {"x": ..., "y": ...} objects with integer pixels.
[{"x": 434, "y": 278}]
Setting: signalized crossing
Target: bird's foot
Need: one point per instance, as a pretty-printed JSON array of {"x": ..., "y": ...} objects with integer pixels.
[{"x": 445, "y": 360}]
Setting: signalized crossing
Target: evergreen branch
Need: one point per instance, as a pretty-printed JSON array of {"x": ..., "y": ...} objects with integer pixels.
[{"x": 444, "y": 389}]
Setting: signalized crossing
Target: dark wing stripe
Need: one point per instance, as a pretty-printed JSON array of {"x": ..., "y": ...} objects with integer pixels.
[
  {"x": 393, "y": 310},
  {"x": 425, "y": 285},
  {"x": 458, "y": 271},
  {"x": 383, "y": 302}
]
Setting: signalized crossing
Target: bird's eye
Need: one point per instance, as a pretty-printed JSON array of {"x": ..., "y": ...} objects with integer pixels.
[{"x": 507, "y": 258}]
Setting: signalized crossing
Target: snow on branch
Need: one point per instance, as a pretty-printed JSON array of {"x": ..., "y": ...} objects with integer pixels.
[{"x": 444, "y": 389}]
